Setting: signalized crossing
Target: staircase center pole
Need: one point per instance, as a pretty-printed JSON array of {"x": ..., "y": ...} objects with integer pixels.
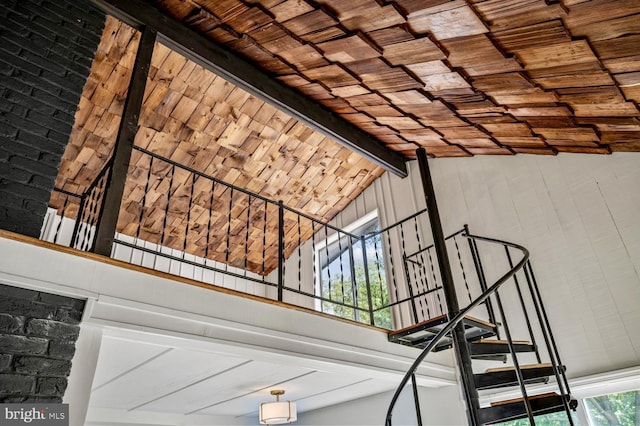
[{"x": 463, "y": 355}]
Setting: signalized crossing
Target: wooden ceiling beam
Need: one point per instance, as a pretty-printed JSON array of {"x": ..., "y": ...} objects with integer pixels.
[{"x": 247, "y": 76}]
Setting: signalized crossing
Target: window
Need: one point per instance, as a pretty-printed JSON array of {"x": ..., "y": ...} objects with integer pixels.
[
  {"x": 615, "y": 409},
  {"x": 346, "y": 270},
  {"x": 552, "y": 419}
]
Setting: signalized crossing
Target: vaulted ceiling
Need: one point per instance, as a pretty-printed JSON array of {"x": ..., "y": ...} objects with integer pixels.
[{"x": 458, "y": 78}]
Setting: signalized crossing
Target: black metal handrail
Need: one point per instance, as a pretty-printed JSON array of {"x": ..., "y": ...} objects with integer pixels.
[
  {"x": 278, "y": 239},
  {"x": 524, "y": 265},
  {"x": 459, "y": 317}
]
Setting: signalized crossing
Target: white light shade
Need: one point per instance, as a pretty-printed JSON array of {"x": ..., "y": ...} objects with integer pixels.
[{"x": 276, "y": 413}]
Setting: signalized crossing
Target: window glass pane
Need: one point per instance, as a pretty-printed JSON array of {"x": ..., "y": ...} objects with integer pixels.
[
  {"x": 551, "y": 419},
  {"x": 343, "y": 276},
  {"x": 616, "y": 409}
]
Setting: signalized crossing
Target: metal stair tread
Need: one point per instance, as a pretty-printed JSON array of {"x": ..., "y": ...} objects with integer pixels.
[
  {"x": 522, "y": 367},
  {"x": 502, "y": 342},
  {"x": 419, "y": 335},
  {"x": 530, "y": 398},
  {"x": 497, "y": 350},
  {"x": 507, "y": 376},
  {"x": 436, "y": 323},
  {"x": 513, "y": 409}
]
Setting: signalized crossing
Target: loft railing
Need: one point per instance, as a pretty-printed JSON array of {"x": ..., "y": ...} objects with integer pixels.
[
  {"x": 529, "y": 311},
  {"x": 185, "y": 222},
  {"x": 191, "y": 224}
]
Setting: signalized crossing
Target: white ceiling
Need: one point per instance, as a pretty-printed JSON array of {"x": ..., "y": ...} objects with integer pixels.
[{"x": 135, "y": 379}]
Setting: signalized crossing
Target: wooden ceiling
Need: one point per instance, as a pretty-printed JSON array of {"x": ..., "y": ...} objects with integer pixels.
[
  {"x": 199, "y": 120},
  {"x": 456, "y": 77}
]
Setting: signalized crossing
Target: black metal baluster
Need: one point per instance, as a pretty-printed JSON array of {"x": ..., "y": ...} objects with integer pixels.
[
  {"x": 166, "y": 210},
  {"x": 79, "y": 219},
  {"x": 190, "y": 205},
  {"x": 64, "y": 209},
  {"x": 144, "y": 199},
  {"x": 299, "y": 255},
  {"x": 393, "y": 269},
  {"x": 412, "y": 300},
  {"x": 281, "y": 236},
  {"x": 375, "y": 248},
  {"x": 186, "y": 231},
  {"x": 93, "y": 205},
  {"x": 421, "y": 272},
  {"x": 412, "y": 264},
  {"x": 464, "y": 274},
  {"x": 435, "y": 281},
  {"x": 523, "y": 306},
  {"x": 85, "y": 217},
  {"x": 354, "y": 284},
  {"x": 326, "y": 249},
  {"x": 477, "y": 262},
  {"x": 313, "y": 254},
  {"x": 264, "y": 240},
  {"x": 227, "y": 250},
  {"x": 341, "y": 267},
  {"x": 365, "y": 262},
  {"x": 416, "y": 399},
  {"x": 206, "y": 249},
  {"x": 106, "y": 177},
  {"x": 246, "y": 237},
  {"x": 552, "y": 349},
  {"x": 514, "y": 359}
]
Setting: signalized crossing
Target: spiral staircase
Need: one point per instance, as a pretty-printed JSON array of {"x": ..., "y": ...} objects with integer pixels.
[{"x": 488, "y": 330}]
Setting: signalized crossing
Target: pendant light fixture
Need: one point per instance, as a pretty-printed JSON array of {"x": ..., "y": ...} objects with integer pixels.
[{"x": 278, "y": 412}]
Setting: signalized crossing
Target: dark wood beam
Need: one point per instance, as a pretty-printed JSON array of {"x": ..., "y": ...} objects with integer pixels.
[
  {"x": 106, "y": 228},
  {"x": 247, "y": 76}
]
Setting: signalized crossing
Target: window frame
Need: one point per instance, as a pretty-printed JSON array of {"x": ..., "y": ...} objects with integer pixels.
[{"x": 333, "y": 239}]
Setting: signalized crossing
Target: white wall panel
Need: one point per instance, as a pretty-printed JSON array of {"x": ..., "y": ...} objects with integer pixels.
[
  {"x": 579, "y": 215},
  {"x": 439, "y": 408}
]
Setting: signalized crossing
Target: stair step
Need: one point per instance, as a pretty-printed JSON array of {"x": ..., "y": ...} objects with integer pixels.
[
  {"x": 497, "y": 349},
  {"x": 522, "y": 367},
  {"x": 502, "y": 377},
  {"x": 419, "y": 335},
  {"x": 514, "y": 409}
]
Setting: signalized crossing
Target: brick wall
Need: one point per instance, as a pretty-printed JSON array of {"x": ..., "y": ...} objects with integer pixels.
[
  {"x": 46, "y": 49},
  {"x": 38, "y": 332}
]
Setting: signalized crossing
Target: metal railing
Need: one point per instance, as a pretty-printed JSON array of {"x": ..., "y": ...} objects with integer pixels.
[
  {"x": 84, "y": 209},
  {"x": 175, "y": 218},
  {"x": 528, "y": 301}
]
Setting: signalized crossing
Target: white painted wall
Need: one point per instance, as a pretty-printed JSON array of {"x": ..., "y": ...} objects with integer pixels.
[
  {"x": 439, "y": 407},
  {"x": 579, "y": 215}
]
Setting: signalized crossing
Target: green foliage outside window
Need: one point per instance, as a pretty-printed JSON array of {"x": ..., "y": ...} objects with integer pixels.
[
  {"x": 552, "y": 419},
  {"x": 616, "y": 409},
  {"x": 337, "y": 284}
]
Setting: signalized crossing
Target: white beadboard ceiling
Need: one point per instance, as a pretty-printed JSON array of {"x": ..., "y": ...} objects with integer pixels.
[{"x": 136, "y": 379}]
